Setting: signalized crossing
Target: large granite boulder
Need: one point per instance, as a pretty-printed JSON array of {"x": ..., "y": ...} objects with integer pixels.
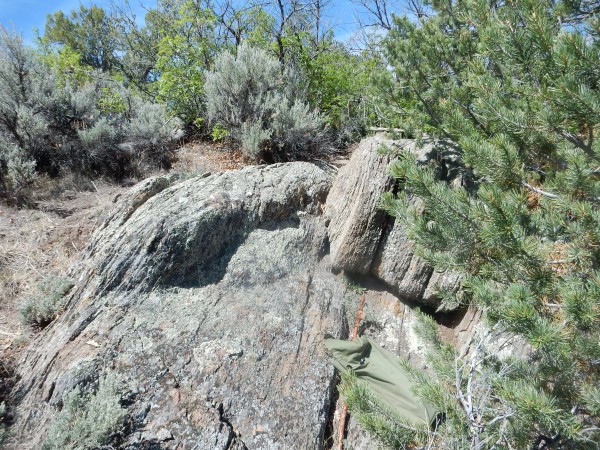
[{"x": 208, "y": 299}]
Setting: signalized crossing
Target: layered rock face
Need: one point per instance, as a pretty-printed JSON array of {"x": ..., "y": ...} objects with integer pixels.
[
  {"x": 209, "y": 298},
  {"x": 364, "y": 239}
]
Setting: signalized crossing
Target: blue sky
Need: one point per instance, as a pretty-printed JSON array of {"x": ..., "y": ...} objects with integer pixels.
[{"x": 25, "y": 15}]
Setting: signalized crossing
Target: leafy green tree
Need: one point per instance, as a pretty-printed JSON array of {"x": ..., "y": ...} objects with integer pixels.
[
  {"x": 185, "y": 35},
  {"x": 516, "y": 85},
  {"x": 347, "y": 87},
  {"x": 91, "y": 32}
]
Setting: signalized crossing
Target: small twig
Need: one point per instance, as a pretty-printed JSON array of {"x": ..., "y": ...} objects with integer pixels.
[
  {"x": 6, "y": 333},
  {"x": 539, "y": 191},
  {"x": 561, "y": 261},
  {"x": 394, "y": 130}
]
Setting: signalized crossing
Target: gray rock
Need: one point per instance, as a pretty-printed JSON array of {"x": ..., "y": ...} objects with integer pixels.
[
  {"x": 407, "y": 275},
  {"x": 352, "y": 208},
  {"x": 397, "y": 265},
  {"x": 209, "y": 299},
  {"x": 364, "y": 239}
]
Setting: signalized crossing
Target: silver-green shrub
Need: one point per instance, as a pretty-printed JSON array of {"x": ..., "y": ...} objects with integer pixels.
[
  {"x": 87, "y": 420},
  {"x": 253, "y": 137},
  {"x": 95, "y": 125},
  {"x": 20, "y": 172},
  {"x": 40, "y": 309},
  {"x": 249, "y": 95},
  {"x": 150, "y": 131}
]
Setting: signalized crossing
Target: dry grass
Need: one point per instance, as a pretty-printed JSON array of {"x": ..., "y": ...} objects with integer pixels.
[
  {"x": 559, "y": 259},
  {"x": 35, "y": 243},
  {"x": 199, "y": 157}
]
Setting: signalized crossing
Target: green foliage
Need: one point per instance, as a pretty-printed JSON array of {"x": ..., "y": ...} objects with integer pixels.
[
  {"x": 390, "y": 428},
  {"x": 111, "y": 101},
  {"x": 219, "y": 133},
  {"x": 87, "y": 420},
  {"x": 185, "y": 50},
  {"x": 347, "y": 87},
  {"x": 247, "y": 94},
  {"x": 167, "y": 58},
  {"x": 516, "y": 86},
  {"x": 67, "y": 64},
  {"x": 89, "y": 32},
  {"x": 56, "y": 117},
  {"x": 43, "y": 307}
]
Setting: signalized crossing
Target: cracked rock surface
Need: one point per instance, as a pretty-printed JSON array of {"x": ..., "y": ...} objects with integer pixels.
[{"x": 209, "y": 299}]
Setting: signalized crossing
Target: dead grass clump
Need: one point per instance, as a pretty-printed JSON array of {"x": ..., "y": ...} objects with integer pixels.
[{"x": 199, "y": 157}]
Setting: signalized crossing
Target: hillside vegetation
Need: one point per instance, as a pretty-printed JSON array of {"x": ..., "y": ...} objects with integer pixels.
[
  {"x": 513, "y": 84},
  {"x": 99, "y": 95}
]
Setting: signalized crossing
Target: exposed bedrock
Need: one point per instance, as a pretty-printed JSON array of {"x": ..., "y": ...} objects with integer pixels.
[
  {"x": 364, "y": 239},
  {"x": 209, "y": 297}
]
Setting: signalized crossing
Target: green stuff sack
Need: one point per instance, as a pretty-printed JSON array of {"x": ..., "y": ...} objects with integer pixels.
[{"x": 384, "y": 374}]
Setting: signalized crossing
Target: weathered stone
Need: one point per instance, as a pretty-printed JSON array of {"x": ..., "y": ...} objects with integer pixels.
[
  {"x": 364, "y": 239},
  {"x": 396, "y": 264},
  {"x": 208, "y": 299},
  {"x": 352, "y": 208},
  {"x": 407, "y": 275}
]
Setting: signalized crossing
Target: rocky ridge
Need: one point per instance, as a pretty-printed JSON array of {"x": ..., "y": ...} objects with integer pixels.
[{"x": 209, "y": 298}]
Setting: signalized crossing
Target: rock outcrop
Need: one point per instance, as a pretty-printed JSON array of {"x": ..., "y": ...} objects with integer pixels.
[
  {"x": 209, "y": 299},
  {"x": 355, "y": 220},
  {"x": 364, "y": 239}
]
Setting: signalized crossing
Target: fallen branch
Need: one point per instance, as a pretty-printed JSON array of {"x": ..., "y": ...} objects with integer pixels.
[
  {"x": 384, "y": 129},
  {"x": 539, "y": 191}
]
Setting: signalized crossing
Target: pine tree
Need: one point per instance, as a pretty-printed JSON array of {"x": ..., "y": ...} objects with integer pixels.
[{"x": 516, "y": 85}]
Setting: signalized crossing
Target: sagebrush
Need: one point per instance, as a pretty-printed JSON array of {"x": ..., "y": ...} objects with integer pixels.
[
  {"x": 248, "y": 94},
  {"x": 40, "y": 309},
  {"x": 88, "y": 419}
]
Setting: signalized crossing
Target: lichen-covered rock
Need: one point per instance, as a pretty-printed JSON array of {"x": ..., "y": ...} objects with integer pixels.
[
  {"x": 407, "y": 275},
  {"x": 208, "y": 299}
]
